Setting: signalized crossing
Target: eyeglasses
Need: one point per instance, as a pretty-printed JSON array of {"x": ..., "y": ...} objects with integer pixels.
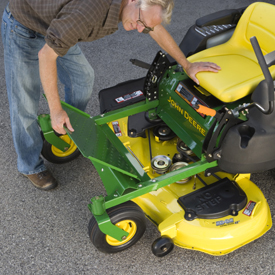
[{"x": 142, "y": 24}]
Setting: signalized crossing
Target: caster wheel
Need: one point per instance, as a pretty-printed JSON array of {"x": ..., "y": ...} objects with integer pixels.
[
  {"x": 54, "y": 155},
  {"x": 127, "y": 216},
  {"x": 162, "y": 246}
]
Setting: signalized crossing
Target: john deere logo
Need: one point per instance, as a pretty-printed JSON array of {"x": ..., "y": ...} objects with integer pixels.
[
  {"x": 187, "y": 116},
  {"x": 175, "y": 105},
  {"x": 194, "y": 123}
]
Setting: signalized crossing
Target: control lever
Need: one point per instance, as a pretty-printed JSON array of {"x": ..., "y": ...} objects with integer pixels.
[
  {"x": 140, "y": 63},
  {"x": 264, "y": 62}
]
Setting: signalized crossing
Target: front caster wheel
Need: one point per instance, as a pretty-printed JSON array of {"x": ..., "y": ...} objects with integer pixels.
[
  {"x": 162, "y": 246},
  {"x": 127, "y": 216},
  {"x": 54, "y": 155}
]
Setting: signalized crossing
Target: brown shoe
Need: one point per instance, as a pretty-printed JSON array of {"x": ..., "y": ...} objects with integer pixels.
[{"x": 43, "y": 180}]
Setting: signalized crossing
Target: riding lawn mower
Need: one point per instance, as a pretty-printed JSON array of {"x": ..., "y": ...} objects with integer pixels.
[{"x": 179, "y": 153}]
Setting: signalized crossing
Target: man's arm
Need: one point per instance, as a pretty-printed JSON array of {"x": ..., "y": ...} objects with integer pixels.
[
  {"x": 48, "y": 75},
  {"x": 168, "y": 44}
]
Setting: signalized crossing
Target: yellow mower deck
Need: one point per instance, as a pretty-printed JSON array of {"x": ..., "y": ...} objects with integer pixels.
[{"x": 212, "y": 236}]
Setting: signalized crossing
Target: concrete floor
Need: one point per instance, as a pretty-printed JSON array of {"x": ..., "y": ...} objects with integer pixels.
[{"x": 46, "y": 232}]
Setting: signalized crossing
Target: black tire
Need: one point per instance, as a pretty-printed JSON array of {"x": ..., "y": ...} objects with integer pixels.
[
  {"x": 52, "y": 154},
  {"x": 128, "y": 214},
  {"x": 162, "y": 246}
]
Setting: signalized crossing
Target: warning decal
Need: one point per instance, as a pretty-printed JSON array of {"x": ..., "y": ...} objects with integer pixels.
[
  {"x": 129, "y": 96},
  {"x": 249, "y": 208},
  {"x": 116, "y": 128}
]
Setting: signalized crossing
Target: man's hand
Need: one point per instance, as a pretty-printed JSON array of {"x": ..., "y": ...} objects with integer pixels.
[
  {"x": 167, "y": 43},
  {"x": 60, "y": 119},
  {"x": 193, "y": 68}
]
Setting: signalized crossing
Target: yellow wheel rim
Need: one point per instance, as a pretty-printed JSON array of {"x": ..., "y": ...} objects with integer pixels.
[
  {"x": 128, "y": 226},
  {"x": 61, "y": 154}
]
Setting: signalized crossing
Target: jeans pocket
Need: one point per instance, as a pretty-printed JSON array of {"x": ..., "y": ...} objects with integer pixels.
[{"x": 24, "y": 32}]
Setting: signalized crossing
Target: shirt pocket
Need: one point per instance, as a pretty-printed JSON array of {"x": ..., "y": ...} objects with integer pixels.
[{"x": 24, "y": 32}]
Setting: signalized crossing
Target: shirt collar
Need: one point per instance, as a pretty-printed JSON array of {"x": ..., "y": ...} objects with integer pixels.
[{"x": 113, "y": 14}]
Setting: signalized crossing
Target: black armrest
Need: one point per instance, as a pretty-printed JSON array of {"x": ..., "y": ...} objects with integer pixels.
[{"x": 229, "y": 16}]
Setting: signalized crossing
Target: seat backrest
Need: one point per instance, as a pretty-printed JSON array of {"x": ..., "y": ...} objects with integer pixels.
[
  {"x": 240, "y": 73},
  {"x": 257, "y": 20}
]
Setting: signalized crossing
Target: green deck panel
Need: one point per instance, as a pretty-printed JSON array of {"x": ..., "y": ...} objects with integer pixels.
[
  {"x": 194, "y": 141},
  {"x": 116, "y": 183},
  {"x": 49, "y": 134},
  {"x": 101, "y": 145},
  {"x": 127, "y": 111},
  {"x": 106, "y": 226},
  {"x": 159, "y": 182}
]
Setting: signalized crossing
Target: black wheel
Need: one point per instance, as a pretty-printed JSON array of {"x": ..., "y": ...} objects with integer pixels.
[
  {"x": 54, "y": 155},
  {"x": 162, "y": 246},
  {"x": 127, "y": 216}
]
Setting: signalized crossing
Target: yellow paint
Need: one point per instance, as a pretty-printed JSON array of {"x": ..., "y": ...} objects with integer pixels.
[
  {"x": 186, "y": 115},
  {"x": 62, "y": 154},
  {"x": 194, "y": 123},
  {"x": 240, "y": 72},
  {"x": 127, "y": 225},
  {"x": 175, "y": 105},
  {"x": 212, "y": 236}
]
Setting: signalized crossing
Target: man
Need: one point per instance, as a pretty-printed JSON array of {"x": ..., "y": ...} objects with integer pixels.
[{"x": 40, "y": 44}]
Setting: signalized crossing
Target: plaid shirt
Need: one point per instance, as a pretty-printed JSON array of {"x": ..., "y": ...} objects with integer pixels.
[{"x": 66, "y": 22}]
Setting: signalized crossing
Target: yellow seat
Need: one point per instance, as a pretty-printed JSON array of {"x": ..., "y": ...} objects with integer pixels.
[{"x": 240, "y": 72}]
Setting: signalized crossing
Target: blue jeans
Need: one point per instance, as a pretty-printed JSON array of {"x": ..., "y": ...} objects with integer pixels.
[{"x": 21, "y": 47}]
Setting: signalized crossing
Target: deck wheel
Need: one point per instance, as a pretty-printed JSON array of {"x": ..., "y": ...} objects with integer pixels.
[
  {"x": 162, "y": 246},
  {"x": 127, "y": 216},
  {"x": 54, "y": 155}
]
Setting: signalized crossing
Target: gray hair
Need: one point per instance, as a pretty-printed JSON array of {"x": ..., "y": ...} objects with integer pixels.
[{"x": 166, "y": 5}]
